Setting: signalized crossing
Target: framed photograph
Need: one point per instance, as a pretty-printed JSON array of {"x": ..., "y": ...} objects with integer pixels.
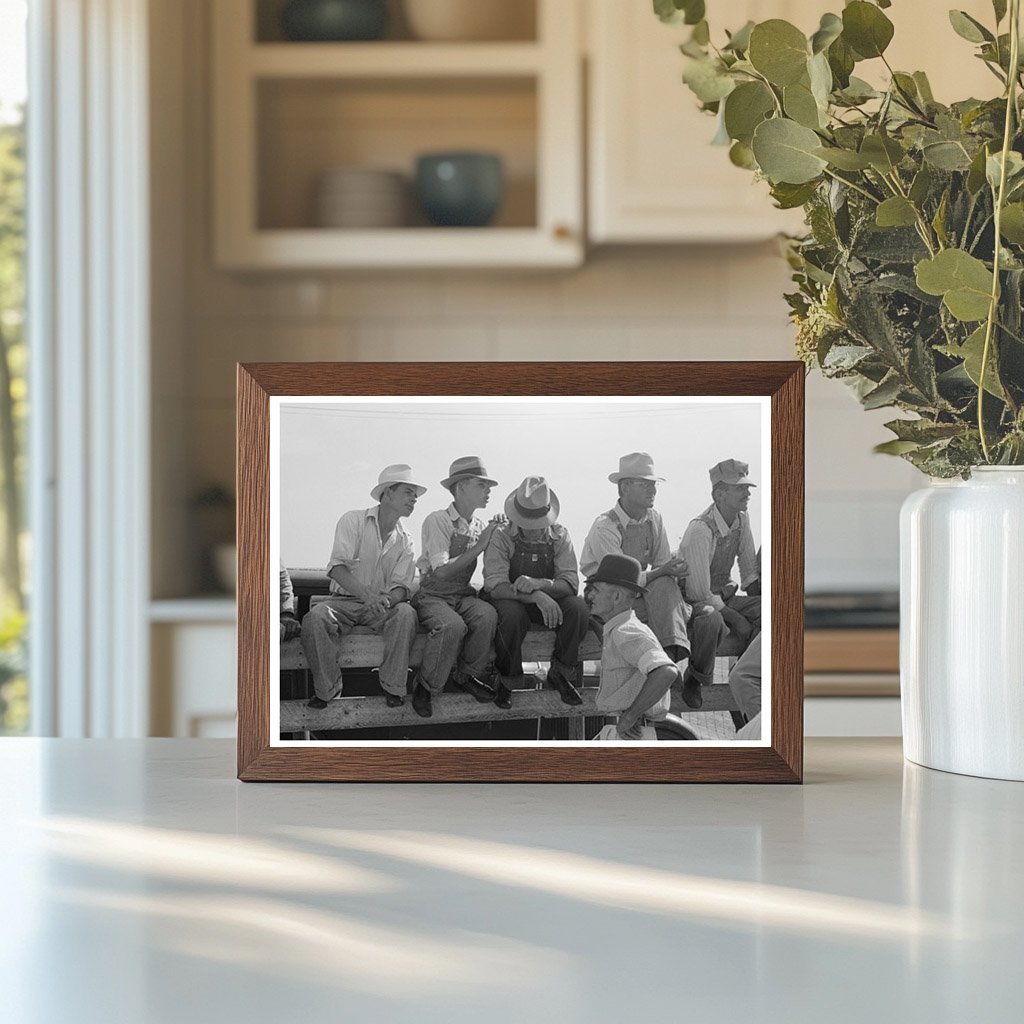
[{"x": 520, "y": 572}]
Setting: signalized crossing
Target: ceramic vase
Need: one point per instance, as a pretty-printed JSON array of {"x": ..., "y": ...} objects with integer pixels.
[{"x": 962, "y": 624}]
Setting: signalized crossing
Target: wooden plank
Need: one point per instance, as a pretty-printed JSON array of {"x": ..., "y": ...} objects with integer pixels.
[
  {"x": 852, "y": 650},
  {"x": 373, "y": 712}
]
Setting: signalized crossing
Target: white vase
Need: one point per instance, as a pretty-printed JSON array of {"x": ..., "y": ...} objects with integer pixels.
[{"x": 962, "y": 624}]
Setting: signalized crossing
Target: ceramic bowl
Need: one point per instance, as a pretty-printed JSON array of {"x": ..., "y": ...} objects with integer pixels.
[
  {"x": 334, "y": 20},
  {"x": 460, "y": 189}
]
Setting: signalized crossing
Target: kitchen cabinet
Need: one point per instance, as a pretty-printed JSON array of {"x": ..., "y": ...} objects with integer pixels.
[
  {"x": 286, "y": 113},
  {"x": 653, "y": 175}
]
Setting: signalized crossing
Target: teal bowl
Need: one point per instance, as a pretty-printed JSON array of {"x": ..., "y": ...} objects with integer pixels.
[
  {"x": 333, "y": 21},
  {"x": 462, "y": 190}
]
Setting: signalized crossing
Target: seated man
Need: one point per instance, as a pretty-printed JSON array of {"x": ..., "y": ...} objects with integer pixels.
[
  {"x": 456, "y": 619},
  {"x": 636, "y": 673},
  {"x": 531, "y": 575},
  {"x": 714, "y": 542},
  {"x": 371, "y": 571},
  {"x": 633, "y": 527},
  {"x": 290, "y": 625}
]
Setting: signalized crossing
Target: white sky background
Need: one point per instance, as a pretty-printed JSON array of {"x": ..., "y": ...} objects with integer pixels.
[
  {"x": 331, "y": 455},
  {"x": 12, "y": 56}
]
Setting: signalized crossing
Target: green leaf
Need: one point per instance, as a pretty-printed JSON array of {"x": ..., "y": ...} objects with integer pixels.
[
  {"x": 971, "y": 352},
  {"x": 739, "y": 41},
  {"x": 829, "y": 30},
  {"x": 789, "y": 197},
  {"x": 707, "y": 80},
  {"x": 785, "y": 152},
  {"x": 866, "y": 29},
  {"x": 800, "y": 105},
  {"x": 883, "y": 153},
  {"x": 963, "y": 281},
  {"x": 1011, "y": 225},
  {"x": 742, "y": 155},
  {"x": 844, "y": 159},
  {"x": 745, "y": 108},
  {"x": 778, "y": 50},
  {"x": 896, "y": 212},
  {"x": 968, "y": 28}
]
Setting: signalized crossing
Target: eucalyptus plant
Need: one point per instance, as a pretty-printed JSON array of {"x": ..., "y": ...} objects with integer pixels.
[{"x": 910, "y": 278}]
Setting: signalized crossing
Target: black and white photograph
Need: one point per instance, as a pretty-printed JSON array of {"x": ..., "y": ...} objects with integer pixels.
[{"x": 520, "y": 571}]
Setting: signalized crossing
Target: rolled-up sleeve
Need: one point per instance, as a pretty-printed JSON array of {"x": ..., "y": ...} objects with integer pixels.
[
  {"x": 746, "y": 556},
  {"x": 696, "y": 549},
  {"x": 497, "y": 559},
  {"x": 566, "y": 566},
  {"x": 603, "y": 539},
  {"x": 346, "y": 540},
  {"x": 437, "y": 537}
]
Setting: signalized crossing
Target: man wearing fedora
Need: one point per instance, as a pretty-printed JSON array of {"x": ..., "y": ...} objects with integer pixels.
[
  {"x": 636, "y": 673},
  {"x": 719, "y": 538},
  {"x": 531, "y": 575},
  {"x": 456, "y": 620},
  {"x": 371, "y": 571},
  {"x": 634, "y": 527}
]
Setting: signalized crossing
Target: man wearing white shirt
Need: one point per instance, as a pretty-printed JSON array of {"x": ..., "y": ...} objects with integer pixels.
[
  {"x": 717, "y": 540},
  {"x": 634, "y": 527},
  {"x": 371, "y": 571},
  {"x": 458, "y": 623}
]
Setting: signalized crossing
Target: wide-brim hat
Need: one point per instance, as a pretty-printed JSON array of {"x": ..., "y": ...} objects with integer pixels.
[
  {"x": 399, "y": 473},
  {"x": 731, "y": 471},
  {"x": 620, "y": 571},
  {"x": 467, "y": 468},
  {"x": 532, "y": 505},
  {"x": 636, "y": 466}
]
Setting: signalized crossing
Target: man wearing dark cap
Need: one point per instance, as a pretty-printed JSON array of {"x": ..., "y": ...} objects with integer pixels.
[
  {"x": 636, "y": 673},
  {"x": 456, "y": 620},
  {"x": 634, "y": 527},
  {"x": 719, "y": 538},
  {"x": 531, "y": 575}
]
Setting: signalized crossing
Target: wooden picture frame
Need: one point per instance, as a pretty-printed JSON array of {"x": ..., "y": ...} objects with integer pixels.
[{"x": 780, "y": 759}]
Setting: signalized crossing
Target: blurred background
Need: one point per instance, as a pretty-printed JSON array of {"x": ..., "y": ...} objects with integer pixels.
[{"x": 253, "y": 180}]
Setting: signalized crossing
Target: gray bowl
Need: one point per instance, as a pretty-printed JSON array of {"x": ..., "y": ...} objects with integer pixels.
[
  {"x": 334, "y": 20},
  {"x": 460, "y": 189}
]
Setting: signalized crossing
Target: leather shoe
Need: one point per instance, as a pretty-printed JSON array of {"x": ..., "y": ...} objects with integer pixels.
[
  {"x": 421, "y": 701},
  {"x": 482, "y": 693},
  {"x": 393, "y": 700},
  {"x": 503, "y": 696},
  {"x": 691, "y": 692},
  {"x": 560, "y": 681}
]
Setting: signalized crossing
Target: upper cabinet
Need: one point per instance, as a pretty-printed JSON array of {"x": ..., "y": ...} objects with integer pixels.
[
  {"x": 653, "y": 174},
  {"x": 317, "y": 144}
]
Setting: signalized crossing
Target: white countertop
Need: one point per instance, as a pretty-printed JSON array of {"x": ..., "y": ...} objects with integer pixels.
[{"x": 144, "y": 885}]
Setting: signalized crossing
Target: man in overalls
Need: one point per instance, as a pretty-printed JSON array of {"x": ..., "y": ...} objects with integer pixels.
[
  {"x": 447, "y": 605},
  {"x": 371, "y": 569},
  {"x": 719, "y": 538},
  {"x": 635, "y": 528},
  {"x": 531, "y": 575}
]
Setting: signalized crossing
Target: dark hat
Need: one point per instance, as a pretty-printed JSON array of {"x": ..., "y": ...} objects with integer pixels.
[
  {"x": 620, "y": 571},
  {"x": 467, "y": 468}
]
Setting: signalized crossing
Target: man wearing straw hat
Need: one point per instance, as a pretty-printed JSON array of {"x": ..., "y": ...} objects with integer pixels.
[
  {"x": 634, "y": 527},
  {"x": 371, "y": 571},
  {"x": 636, "y": 673},
  {"x": 531, "y": 575},
  {"x": 459, "y": 625},
  {"x": 718, "y": 539}
]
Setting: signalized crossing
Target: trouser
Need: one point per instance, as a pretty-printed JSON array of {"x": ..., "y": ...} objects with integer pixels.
[
  {"x": 664, "y": 610},
  {"x": 745, "y": 680},
  {"x": 455, "y": 623},
  {"x": 329, "y": 620},
  {"x": 514, "y": 620},
  {"x": 709, "y": 629}
]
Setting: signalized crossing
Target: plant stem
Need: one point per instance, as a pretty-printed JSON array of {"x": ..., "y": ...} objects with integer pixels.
[{"x": 993, "y": 308}]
